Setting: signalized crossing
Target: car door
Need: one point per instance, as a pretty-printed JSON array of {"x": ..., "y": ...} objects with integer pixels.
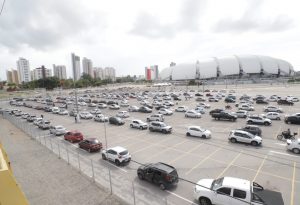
[
  {"x": 111, "y": 154},
  {"x": 222, "y": 196},
  {"x": 149, "y": 174}
]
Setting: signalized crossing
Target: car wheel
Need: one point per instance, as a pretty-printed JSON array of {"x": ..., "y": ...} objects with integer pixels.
[
  {"x": 186, "y": 116},
  {"x": 141, "y": 128},
  {"x": 188, "y": 134},
  {"x": 249, "y": 122},
  {"x": 117, "y": 162},
  {"x": 278, "y": 118},
  {"x": 204, "y": 201},
  {"x": 203, "y": 136},
  {"x": 296, "y": 151},
  {"x": 254, "y": 143},
  {"x": 151, "y": 129},
  {"x": 164, "y": 131},
  {"x": 266, "y": 123},
  {"x": 131, "y": 126},
  {"x": 104, "y": 157},
  {"x": 233, "y": 140},
  {"x": 141, "y": 177},
  {"x": 162, "y": 186}
]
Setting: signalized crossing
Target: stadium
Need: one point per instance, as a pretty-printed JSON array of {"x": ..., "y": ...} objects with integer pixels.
[{"x": 231, "y": 67}]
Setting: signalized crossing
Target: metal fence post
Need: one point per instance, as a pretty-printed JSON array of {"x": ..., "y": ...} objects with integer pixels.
[
  {"x": 67, "y": 154},
  {"x": 93, "y": 174},
  {"x": 45, "y": 141},
  {"x": 109, "y": 174},
  {"x": 51, "y": 144},
  {"x": 58, "y": 150},
  {"x": 133, "y": 192},
  {"x": 78, "y": 160}
]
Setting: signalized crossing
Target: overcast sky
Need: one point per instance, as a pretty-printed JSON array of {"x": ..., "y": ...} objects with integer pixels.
[{"x": 132, "y": 34}]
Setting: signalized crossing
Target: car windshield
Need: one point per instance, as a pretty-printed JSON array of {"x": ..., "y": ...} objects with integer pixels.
[
  {"x": 217, "y": 183},
  {"x": 124, "y": 152},
  {"x": 95, "y": 142}
]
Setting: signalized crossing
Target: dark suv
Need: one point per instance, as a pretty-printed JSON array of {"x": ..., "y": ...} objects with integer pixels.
[
  {"x": 292, "y": 119},
  {"x": 116, "y": 121},
  {"x": 255, "y": 130},
  {"x": 159, "y": 173},
  {"x": 285, "y": 102}
]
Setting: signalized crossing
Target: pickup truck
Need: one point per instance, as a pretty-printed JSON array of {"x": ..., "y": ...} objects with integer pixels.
[
  {"x": 234, "y": 191},
  {"x": 224, "y": 116}
]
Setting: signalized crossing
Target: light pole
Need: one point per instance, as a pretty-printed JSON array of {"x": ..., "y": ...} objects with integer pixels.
[{"x": 105, "y": 134}]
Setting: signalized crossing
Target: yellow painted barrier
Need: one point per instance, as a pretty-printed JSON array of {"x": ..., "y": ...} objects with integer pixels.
[{"x": 10, "y": 192}]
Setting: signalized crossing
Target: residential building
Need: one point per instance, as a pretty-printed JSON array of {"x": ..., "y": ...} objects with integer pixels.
[
  {"x": 23, "y": 70},
  {"x": 99, "y": 72},
  {"x": 60, "y": 71},
  {"x": 41, "y": 73},
  {"x": 15, "y": 77},
  {"x": 87, "y": 66},
  {"x": 75, "y": 66},
  {"x": 151, "y": 72},
  {"x": 109, "y": 73},
  {"x": 9, "y": 76}
]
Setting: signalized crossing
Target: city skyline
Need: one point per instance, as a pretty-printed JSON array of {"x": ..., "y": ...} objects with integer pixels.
[{"x": 130, "y": 36}]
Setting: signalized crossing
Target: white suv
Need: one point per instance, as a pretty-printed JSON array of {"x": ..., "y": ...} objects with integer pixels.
[
  {"x": 245, "y": 137},
  {"x": 293, "y": 145},
  {"x": 197, "y": 131},
  {"x": 57, "y": 130},
  {"x": 165, "y": 111},
  {"x": 118, "y": 155},
  {"x": 258, "y": 120},
  {"x": 156, "y": 117},
  {"x": 138, "y": 124}
]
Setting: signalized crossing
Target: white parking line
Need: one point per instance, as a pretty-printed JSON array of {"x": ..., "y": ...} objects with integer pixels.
[
  {"x": 280, "y": 144},
  {"x": 282, "y": 153},
  {"x": 115, "y": 166},
  {"x": 181, "y": 197}
]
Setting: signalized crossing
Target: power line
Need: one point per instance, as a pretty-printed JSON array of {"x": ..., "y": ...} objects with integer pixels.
[{"x": 2, "y": 7}]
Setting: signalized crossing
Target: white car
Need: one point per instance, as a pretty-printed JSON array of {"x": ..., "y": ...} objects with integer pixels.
[
  {"x": 242, "y": 113},
  {"x": 92, "y": 105},
  {"x": 133, "y": 108},
  {"x": 124, "y": 103},
  {"x": 138, "y": 124},
  {"x": 202, "y": 104},
  {"x": 245, "y": 137},
  {"x": 95, "y": 111},
  {"x": 37, "y": 121},
  {"x": 63, "y": 112},
  {"x": 192, "y": 113},
  {"x": 181, "y": 109},
  {"x": 293, "y": 145},
  {"x": 273, "y": 109},
  {"x": 200, "y": 110},
  {"x": 156, "y": 117},
  {"x": 55, "y": 110},
  {"x": 168, "y": 103},
  {"x": 114, "y": 107},
  {"x": 272, "y": 116},
  {"x": 85, "y": 115},
  {"x": 82, "y": 103},
  {"x": 197, "y": 131},
  {"x": 246, "y": 107},
  {"x": 123, "y": 114},
  {"x": 102, "y": 105},
  {"x": 165, "y": 111},
  {"x": 101, "y": 118},
  {"x": 57, "y": 130},
  {"x": 118, "y": 155}
]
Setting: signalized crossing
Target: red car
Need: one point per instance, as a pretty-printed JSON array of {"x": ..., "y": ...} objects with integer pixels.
[
  {"x": 73, "y": 136},
  {"x": 91, "y": 145}
]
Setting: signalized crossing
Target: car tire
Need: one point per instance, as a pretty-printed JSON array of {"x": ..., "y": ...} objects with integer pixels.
[
  {"x": 254, "y": 143},
  {"x": 266, "y": 123},
  {"x": 151, "y": 129},
  {"x": 188, "y": 134},
  {"x": 131, "y": 126},
  {"x": 141, "y": 177},
  {"x": 296, "y": 150},
  {"x": 162, "y": 186},
  {"x": 233, "y": 140},
  {"x": 204, "y": 201},
  {"x": 250, "y": 122},
  {"x": 117, "y": 162},
  {"x": 164, "y": 131},
  {"x": 278, "y": 118},
  {"x": 186, "y": 116},
  {"x": 104, "y": 157},
  {"x": 203, "y": 136},
  {"x": 141, "y": 128}
]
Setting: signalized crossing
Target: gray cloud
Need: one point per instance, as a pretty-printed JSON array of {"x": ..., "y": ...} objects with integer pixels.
[
  {"x": 253, "y": 20},
  {"x": 148, "y": 26},
  {"x": 40, "y": 24}
]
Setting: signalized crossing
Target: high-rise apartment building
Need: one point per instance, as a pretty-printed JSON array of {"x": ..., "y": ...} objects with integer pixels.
[
  {"x": 41, "y": 73},
  {"x": 15, "y": 76},
  {"x": 75, "y": 66},
  {"x": 99, "y": 73},
  {"x": 109, "y": 73},
  {"x": 9, "y": 76},
  {"x": 87, "y": 66},
  {"x": 60, "y": 71},
  {"x": 151, "y": 73},
  {"x": 23, "y": 70}
]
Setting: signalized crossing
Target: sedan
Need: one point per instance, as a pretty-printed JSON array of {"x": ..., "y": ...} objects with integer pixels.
[
  {"x": 133, "y": 108},
  {"x": 272, "y": 109},
  {"x": 138, "y": 124},
  {"x": 85, "y": 115},
  {"x": 102, "y": 105},
  {"x": 202, "y": 104},
  {"x": 57, "y": 130},
  {"x": 123, "y": 114},
  {"x": 242, "y": 114},
  {"x": 100, "y": 118},
  {"x": 63, "y": 112},
  {"x": 197, "y": 131},
  {"x": 165, "y": 111},
  {"x": 192, "y": 113},
  {"x": 90, "y": 145},
  {"x": 114, "y": 107},
  {"x": 95, "y": 111},
  {"x": 181, "y": 109},
  {"x": 272, "y": 116}
]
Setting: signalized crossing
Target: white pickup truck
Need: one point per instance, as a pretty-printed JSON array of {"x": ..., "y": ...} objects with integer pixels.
[{"x": 234, "y": 191}]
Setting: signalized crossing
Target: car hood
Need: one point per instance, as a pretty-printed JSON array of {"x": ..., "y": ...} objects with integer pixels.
[
  {"x": 168, "y": 127},
  {"x": 258, "y": 138},
  {"x": 204, "y": 183}
]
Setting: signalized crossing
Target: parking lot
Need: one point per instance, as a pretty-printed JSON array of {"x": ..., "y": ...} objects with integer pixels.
[{"x": 270, "y": 164}]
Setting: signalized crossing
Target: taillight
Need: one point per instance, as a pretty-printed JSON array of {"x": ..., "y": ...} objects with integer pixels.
[{"x": 168, "y": 177}]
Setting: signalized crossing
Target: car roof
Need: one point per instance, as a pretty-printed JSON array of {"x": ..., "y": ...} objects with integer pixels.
[
  {"x": 91, "y": 139},
  {"x": 162, "y": 166},
  {"x": 194, "y": 126},
  {"x": 118, "y": 149},
  {"x": 241, "y": 131},
  {"x": 236, "y": 183}
]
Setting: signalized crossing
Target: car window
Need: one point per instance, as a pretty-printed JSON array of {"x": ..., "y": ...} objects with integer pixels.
[
  {"x": 224, "y": 190},
  {"x": 239, "y": 194}
]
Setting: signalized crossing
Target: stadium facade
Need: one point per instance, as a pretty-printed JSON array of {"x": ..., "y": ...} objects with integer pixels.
[{"x": 237, "y": 66}]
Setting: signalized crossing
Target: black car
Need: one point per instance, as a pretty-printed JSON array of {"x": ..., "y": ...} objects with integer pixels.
[
  {"x": 112, "y": 102},
  {"x": 159, "y": 173},
  {"x": 216, "y": 111},
  {"x": 145, "y": 109},
  {"x": 261, "y": 101},
  {"x": 229, "y": 100},
  {"x": 292, "y": 119},
  {"x": 47, "y": 109},
  {"x": 116, "y": 121},
  {"x": 176, "y": 98},
  {"x": 284, "y": 102},
  {"x": 255, "y": 130},
  {"x": 161, "y": 106}
]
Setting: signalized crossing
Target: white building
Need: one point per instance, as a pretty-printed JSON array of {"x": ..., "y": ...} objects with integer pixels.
[
  {"x": 75, "y": 66},
  {"x": 60, "y": 71},
  {"x": 109, "y": 73},
  {"x": 99, "y": 73},
  {"x": 87, "y": 66},
  {"x": 23, "y": 70},
  {"x": 41, "y": 73}
]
